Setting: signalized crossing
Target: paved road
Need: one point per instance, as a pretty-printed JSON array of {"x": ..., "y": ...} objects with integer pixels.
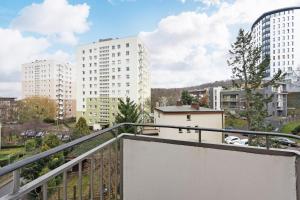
[{"x": 6, "y": 189}]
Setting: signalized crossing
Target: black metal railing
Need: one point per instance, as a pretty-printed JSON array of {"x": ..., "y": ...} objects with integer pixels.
[{"x": 18, "y": 192}]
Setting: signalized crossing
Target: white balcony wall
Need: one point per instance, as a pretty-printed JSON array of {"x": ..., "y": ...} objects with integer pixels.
[{"x": 162, "y": 171}]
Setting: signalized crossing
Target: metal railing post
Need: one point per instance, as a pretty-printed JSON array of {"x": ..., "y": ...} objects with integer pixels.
[
  {"x": 109, "y": 173},
  {"x": 116, "y": 154},
  {"x": 80, "y": 180},
  {"x": 16, "y": 181},
  {"x": 65, "y": 186},
  {"x": 200, "y": 136},
  {"x": 101, "y": 176},
  {"x": 267, "y": 142},
  {"x": 45, "y": 194},
  {"x": 92, "y": 177}
]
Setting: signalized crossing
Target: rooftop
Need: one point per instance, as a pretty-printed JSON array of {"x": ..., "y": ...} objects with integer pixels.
[{"x": 185, "y": 108}]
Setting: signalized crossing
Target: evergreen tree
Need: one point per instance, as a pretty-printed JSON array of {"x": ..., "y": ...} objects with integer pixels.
[
  {"x": 186, "y": 98},
  {"x": 128, "y": 112},
  {"x": 249, "y": 70},
  {"x": 81, "y": 129}
]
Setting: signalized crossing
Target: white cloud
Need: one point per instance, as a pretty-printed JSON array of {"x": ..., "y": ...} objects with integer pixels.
[
  {"x": 191, "y": 48},
  {"x": 205, "y": 2},
  {"x": 54, "y": 18},
  {"x": 10, "y": 89},
  {"x": 17, "y": 49}
]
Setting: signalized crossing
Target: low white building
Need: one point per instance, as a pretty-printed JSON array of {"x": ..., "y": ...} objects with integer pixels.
[{"x": 189, "y": 116}]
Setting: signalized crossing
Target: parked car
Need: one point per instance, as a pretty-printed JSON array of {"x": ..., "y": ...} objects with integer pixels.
[
  {"x": 232, "y": 139},
  {"x": 40, "y": 134},
  {"x": 285, "y": 141},
  {"x": 242, "y": 142}
]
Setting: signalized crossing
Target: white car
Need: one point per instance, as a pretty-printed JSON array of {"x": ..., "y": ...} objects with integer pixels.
[
  {"x": 232, "y": 139},
  {"x": 242, "y": 142}
]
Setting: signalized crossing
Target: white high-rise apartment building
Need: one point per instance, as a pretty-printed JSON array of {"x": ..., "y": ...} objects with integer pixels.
[
  {"x": 278, "y": 33},
  {"x": 52, "y": 79},
  {"x": 106, "y": 71}
]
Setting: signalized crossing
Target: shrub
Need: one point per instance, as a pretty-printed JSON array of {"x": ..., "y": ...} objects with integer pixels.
[
  {"x": 49, "y": 120},
  {"x": 30, "y": 145},
  {"x": 296, "y": 130}
]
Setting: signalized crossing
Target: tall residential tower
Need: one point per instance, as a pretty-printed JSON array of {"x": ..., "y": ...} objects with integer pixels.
[
  {"x": 106, "y": 71},
  {"x": 52, "y": 79},
  {"x": 278, "y": 33}
]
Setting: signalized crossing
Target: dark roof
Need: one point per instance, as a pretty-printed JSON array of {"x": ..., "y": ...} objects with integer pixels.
[
  {"x": 184, "y": 108},
  {"x": 272, "y": 12},
  {"x": 7, "y": 98}
]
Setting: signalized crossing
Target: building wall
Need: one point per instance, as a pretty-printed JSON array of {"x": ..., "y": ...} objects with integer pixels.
[
  {"x": 52, "y": 79},
  {"x": 108, "y": 70},
  {"x": 8, "y": 109},
  {"x": 160, "y": 171},
  {"x": 215, "y": 99},
  {"x": 206, "y": 120},
  {"x": 278, "y": 33}
]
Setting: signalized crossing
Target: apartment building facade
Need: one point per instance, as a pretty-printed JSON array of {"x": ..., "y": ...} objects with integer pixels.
[
  {"x": 214, "y": 100},
  {"x": 278, "y": 34},
  {"x": 52, "y": 79},
  {"x": 8, "y": 109},
  {"x": 234, "y": 100},
  {"x": 108, "y": 70}
]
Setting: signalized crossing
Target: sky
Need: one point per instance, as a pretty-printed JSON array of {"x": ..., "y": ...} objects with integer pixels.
[{"x": 188, "y": 40}]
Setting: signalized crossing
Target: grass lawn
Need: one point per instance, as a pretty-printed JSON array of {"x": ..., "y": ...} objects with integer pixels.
[
  {"x": 10, "y": 151},
  {"x": 288, "y": 127},
  {"x": 235, "y": 123}
]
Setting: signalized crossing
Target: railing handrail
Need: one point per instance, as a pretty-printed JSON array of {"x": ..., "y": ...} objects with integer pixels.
[
  {"x": 219, "y": 130},
  {"x": 53, "y": 173},
  {"x": 19, "y": 164}
]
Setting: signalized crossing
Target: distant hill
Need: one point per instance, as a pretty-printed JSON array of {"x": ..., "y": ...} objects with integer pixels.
[{"x": 171, "y": 95}]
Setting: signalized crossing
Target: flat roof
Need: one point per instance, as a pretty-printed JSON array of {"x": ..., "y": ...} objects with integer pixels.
[
  {"x": 272, "y": 12},
  {"x": 184, "y": 108}
]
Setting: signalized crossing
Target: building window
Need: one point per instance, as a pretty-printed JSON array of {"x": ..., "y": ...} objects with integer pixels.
[
  {"x": 188, "y": 117},
  {"x": 127, "y": 44},
  {"x": 180, "y": 130}
]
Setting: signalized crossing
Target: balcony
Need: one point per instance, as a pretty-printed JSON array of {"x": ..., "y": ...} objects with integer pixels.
[{"x": 143, "y": 167}]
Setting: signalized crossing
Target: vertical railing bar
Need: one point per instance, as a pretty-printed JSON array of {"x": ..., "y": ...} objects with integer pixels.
[
  {"x": 65, "y": 186},
  {"x": 116, "y": 178},
  {"x": 45, "y": 194},
  {"x": 101, "y": 176},
  {"x": 80, "y": 180},
  {"x": 109, "y": 173},
  {"x": 91, "y": 177},
  {"x": 121, "y": 169},
  {"x": 267, "y": 142},
  {"x": 200, "y": 136},
  {"x": 16, "y": 181}
]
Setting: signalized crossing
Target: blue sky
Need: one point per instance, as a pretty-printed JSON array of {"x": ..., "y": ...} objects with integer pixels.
[{"x": 188, "y": 40}]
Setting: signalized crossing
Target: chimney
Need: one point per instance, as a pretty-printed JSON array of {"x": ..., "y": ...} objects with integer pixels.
[
  {"x": 195, "y": 106},
  {"x": 178, "y": 103}
]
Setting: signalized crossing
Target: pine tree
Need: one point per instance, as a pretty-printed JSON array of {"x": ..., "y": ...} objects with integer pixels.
[
  {"x": 186, "y": 98},
  {"x": 248, "y": 73},
  {"x": 128, "y": 112},
  {"x": 81, "y": 128}
]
